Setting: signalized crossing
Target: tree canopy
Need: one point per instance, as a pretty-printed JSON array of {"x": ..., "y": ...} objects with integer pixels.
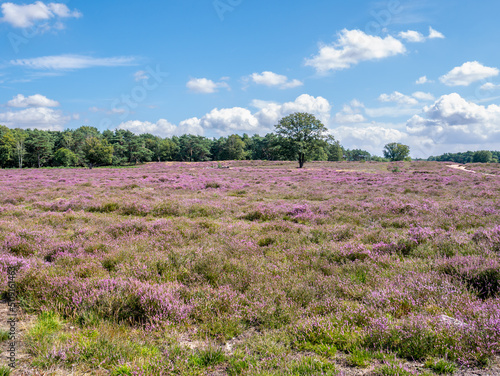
[
  {"x": 302, "y": 134},
  {"x": 396, "y": 151}
]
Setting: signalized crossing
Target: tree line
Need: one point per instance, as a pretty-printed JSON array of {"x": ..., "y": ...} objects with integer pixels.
[
  {"x": 300, "y": 137},
  {"x": 88, "y": 147},
  {"x": 481, "y": 156}
]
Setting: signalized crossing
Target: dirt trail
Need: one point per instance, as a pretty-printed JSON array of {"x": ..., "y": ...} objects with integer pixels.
[{"x": 463, "y": 168}]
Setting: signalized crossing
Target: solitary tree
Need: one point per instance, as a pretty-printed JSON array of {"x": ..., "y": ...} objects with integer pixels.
[
  {"x": 301, "y": 133},
  {"x": 396, "y": 152}
]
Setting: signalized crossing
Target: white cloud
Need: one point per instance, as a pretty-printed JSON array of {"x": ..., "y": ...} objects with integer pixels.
[
  {"x": 489, "y": 86},
  {"x": 421, "y": 96},
  {"x": 433, "y": 34},
  {"x": 69, "y": 62},
  {"x": 227, "y": 121},
  {"x": 423, "y": 80},
  {"x": 398, "y": 98},
  {"x": 162, "y": 128},
  {"x": 272, "y": 79},
  {"x": 36, "y": 100},
  {"x": 392, "y": 112},
  {"x": 353, "y": 47},
  {"x": 468, "y": 73},
  {"x": 140, "y": 76},
  {"x": 350, "y": 113},
  {"x": 412, "y": 36},
  {"x": 205, "y": 86},
  {"x": 24, "y": 16},
  {"x": 230, "y": 120},
  {"x": 453, "y": 120},
  {"x": 417, "y": 37},
  {"x": 38, "y": 117},
  {"x": 371, "y": 138}
]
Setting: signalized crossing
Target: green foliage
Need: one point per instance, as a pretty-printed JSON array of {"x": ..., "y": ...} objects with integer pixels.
[
  {"x": 210, "y": 356},
  {"x": 396, "y": 151},
  {"x": 359, "y": 358},
  {"x": 440, "y": 366},
  {"x": 5, "y": 371},
  {"x": 4, "y": 335},
  {"x": 65, "y": 157},
  {"x": 301, "y": 135},
  {"x": 482, "y": 156},
  {"x": 97, "y": 152}
]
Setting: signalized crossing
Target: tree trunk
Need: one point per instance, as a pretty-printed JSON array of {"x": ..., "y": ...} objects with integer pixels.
[
  {"x": 301, "y": 160},
  {"x": 38, "y": 156}
]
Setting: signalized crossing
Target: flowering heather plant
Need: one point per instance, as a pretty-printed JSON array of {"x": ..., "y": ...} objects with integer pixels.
[{"x": 258, "y": 268}]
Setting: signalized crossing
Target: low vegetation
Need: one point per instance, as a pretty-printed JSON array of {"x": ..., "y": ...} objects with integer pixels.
[{"x": 256, "y": 269}]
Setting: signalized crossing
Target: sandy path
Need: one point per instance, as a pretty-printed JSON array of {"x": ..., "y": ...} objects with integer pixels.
[{"x": 463, "y": 168}]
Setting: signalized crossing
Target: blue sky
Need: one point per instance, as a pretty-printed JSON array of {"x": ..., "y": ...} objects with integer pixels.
[{"x": 422, "y": 73}]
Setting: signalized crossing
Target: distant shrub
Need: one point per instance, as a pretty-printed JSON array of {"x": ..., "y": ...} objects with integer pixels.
[
  {"x": 108, "y": 207},
  {"x": 213, "y": 185}
]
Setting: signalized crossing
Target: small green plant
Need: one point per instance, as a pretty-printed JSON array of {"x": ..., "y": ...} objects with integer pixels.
[
  {"x": 207, "y": 357},
  {"x": 392, "y": 369},
  {"x": 122, "y": 370},
  {"x": 5, "y": 371},
  {"x": 440, "y": 366},
  {"x": 359, "y": 358},
  {"x": 313, "y": 366},
  {"x": 265, "y": 242},
  {"x": 4, "y": 335}
]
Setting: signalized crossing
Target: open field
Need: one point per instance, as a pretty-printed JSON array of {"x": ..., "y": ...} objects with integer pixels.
[{"x": 256, "y": 269}]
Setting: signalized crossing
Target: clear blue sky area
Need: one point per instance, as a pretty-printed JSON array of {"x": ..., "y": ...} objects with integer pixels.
[{"x": 422, "y": 73}]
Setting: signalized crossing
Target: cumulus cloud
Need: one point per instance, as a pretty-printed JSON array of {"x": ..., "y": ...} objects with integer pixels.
[
  {"x": 489, "y": 86},
  {"x": 422, "y": 80},
  {"x": 71, "y": 62},
  {"x": 350, "y": 113},
  {"x": 398, "y": 98},
  {"x": 417, "y": 37},
  {"x": 205, "y": 86},
  {"x": 453, "y": 120},
  {"x": 36, "y": 100},
  {"x": 353, "y": 47},
  {"x": 277, "y": 80},
  {"x": 37, "y": 117},
  {"x": 421, "y": 96},
  {"x": 371, "y": 138},
  {"x": 434, "y": 34},
  {"x": 468, "y": 73},
  {"x": 412, "y": 36},
  {"x": 227, "y": 121},
  {"x": 24, "y": 16},
  {"x": 162, "y": 128}
]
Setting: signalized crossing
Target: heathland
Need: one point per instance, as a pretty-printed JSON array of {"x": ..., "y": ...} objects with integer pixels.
[{"x": 254, "y": 268}]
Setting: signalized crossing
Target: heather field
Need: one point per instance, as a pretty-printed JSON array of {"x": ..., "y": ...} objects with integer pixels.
[{"x": 256, "y": 269}]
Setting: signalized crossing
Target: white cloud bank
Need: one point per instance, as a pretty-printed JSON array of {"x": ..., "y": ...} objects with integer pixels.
[
  {"x": 36, "y": 113},
  {"x": 353, "y": 47},
  {"x": 468, "y": 73},
  {"x": 205, "y": 86},
  {"x": 24, "y": 16},
  {"x": 453, "y": 120},
  {"x": 226, "y": 121},
  {"x": 71, "y": 62},
  {"x": 275, "y": 80},
  {"x": 36, "y": 100}
]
